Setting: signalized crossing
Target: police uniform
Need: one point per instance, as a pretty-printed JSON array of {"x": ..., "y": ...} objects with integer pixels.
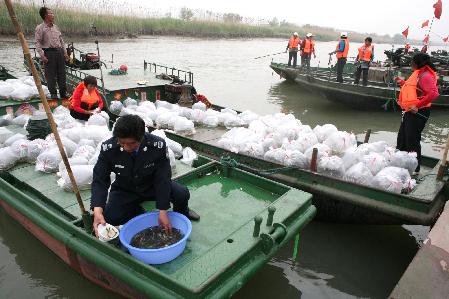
[{"x": 140, "y": 176}]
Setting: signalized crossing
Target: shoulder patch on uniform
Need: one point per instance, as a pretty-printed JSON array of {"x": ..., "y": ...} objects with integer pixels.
[{"x": 158, "y": 144}]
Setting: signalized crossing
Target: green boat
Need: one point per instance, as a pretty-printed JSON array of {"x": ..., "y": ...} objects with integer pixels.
[
  {"x": 225, "y": 249},
  {"x": 152, "y": 82},
  {"x": 379, "y": 94},
  {"x": 338, "y": 200}
]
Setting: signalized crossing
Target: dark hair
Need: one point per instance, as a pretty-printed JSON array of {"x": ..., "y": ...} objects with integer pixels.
[
  {"x": 369, "y": 39},
  {"x": 129, "y": 126},
  {"x": 422, "y": 59},
  {"x": 90, "y": 80},
  {"x": 43, "y": 12}
]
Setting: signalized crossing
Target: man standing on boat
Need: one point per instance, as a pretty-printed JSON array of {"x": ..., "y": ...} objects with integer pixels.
[
  {"x": 406, "y": 48},
  {"x": 363, "y": 61},
  {"x": 51, "y": 49},
  {"x": 292, "y": 48},
  {"x": 307, "y": 49},
  {"x": 341, "y": 50},
  {"x": 142, "y": 168},
  {"x": 415, "y": 99}
]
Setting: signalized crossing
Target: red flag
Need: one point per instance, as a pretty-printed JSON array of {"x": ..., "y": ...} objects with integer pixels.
[
  {"x": 446, "y": 39},
  {"x": 405, "y": 32},
  {"x": 425, "y": 24},
  {"x": 426, "y": 39},
  {"x": 438, "y": 9}
]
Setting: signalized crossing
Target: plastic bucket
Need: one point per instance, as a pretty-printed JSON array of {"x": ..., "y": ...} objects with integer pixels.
[{"x": 161, "y": 255}]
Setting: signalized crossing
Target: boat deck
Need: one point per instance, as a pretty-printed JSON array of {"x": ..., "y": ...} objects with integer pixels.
[{"x": 129, "y": 80}]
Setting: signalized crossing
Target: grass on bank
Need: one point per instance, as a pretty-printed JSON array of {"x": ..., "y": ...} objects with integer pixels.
[{"x": 79, "y": 23}]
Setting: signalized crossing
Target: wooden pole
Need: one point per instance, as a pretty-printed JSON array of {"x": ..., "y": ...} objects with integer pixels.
[
  {"x": 313, "y": 162},
  {"x": 367, "y": 136},
  {"x": 37, "y": 80},
  {"x": 428, "y": 33},
  {"x": 443, "y": 165}
]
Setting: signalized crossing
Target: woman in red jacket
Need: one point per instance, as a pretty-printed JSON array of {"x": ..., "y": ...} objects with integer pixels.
[
  {"x": 86, "y": 100},
  {"x": 415, "y": 99}
]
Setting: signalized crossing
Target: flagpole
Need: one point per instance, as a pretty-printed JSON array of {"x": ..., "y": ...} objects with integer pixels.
[{"x": 428, "y": 33}]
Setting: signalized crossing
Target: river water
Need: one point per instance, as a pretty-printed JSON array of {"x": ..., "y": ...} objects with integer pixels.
[{"x": 334, "y": 260}]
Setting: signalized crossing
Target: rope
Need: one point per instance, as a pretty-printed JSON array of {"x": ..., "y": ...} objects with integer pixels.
[
  {"x": 446, "y": 173},
  {"x": 228, "y": 162}
]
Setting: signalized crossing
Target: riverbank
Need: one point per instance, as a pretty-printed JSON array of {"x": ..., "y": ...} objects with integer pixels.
[{"x": 79, "y": 24}]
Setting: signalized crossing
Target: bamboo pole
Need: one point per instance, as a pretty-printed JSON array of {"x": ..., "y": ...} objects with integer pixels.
[
  {"x": 37, "y": 80},
  {"x": 367, "y": 136}
]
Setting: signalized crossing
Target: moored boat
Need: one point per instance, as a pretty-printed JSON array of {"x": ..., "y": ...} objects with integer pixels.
[
  {"x": 225, "y": 248},
  {"x": 375, "y": 96},
  {"x": 153, "y": 81},
  {"x": 338, "y": 200}
]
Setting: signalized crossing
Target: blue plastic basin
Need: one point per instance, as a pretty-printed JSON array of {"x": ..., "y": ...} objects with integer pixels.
[{"x": 161, "y": 255}]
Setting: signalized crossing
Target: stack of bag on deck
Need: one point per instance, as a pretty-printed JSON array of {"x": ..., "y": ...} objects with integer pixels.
[
  {"x": 82, "y": 143},
  {"x": 182, "y": 120},
  {"x": 282, "y": 139},
  {"x": 21, "y": 89}
]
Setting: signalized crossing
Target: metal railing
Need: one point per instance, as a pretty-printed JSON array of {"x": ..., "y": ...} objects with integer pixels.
[{"x": 155, "y": 68}]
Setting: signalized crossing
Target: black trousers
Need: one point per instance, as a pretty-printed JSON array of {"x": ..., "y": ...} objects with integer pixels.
[
  {"x": 55, "y": 72},
  {"x": 78, "y": 115},
  {"x": 305, "y": 60},
  {"x": 358, "y": 72},
  {"x": 340, "y": 67},
  {"x": 292, "y": 55},
  {"x": 124, "y": 205},
  {"x": 409, "y": 135}
]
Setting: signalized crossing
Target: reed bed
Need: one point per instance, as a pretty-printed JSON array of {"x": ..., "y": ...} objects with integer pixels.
[{"x": 79, "y": 22}]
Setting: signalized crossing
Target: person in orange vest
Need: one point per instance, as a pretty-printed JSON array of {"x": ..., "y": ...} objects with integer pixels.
[
  {"x": 341, "y": 50},
  {"x": 86, "y": 100},
  {"x": 415, "y": 99},
  {"x": 363, "y": 61},
  {"x": 406, "y": 48},
  {"x": 292, "y": 48},
  {"x": 307, "y": 49}
]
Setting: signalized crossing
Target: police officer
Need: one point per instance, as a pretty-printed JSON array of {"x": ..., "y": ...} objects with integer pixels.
[{"x": 143, "y": 172}]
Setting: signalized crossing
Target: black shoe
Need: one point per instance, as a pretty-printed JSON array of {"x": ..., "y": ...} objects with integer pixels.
[{"x": 192, "y": 215}]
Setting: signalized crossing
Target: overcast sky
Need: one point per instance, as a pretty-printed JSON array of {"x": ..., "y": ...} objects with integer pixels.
[{"x": 379, "y": 16}]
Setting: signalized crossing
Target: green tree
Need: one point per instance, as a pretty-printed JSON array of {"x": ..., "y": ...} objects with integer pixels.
[
  {"x": 186, "y": 14},
  {"x": 274, "y": 22}
]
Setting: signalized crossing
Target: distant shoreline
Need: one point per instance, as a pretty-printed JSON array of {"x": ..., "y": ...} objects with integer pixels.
[{"x": 77, "y": 24}]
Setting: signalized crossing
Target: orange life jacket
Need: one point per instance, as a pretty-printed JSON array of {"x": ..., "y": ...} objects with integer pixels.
[
  {"x": 293, "y": 43},
  {"x": 408, "y": 96},
  {"x": 343, "y": 54},
  {"x": 89, "y": 100},
  {"x": 309, "y": 45},
  {"x": 365, "y": 53}
]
